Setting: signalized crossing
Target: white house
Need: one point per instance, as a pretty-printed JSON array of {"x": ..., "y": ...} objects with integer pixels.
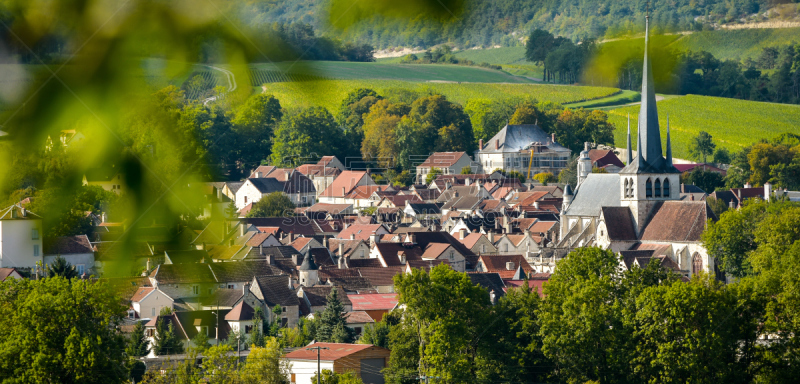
[
  {"x": 149, "y": 301},
  {"x": 365, "y": 360},
  {"x": 338, "y": 191},
  {"x": 20, "y": 238},
  {"x": 76, "y": 250},
  {"x": 451, "y": 163},
  {"x": 254, "y": 189},
  {"x": 511, "y": 149}
]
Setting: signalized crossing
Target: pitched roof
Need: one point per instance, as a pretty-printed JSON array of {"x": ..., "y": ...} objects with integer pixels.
[
  {"x": 359, "y": 231},
  {"x": 224, "y": 297},
  {"x": 443, "y": 159},
  {"x": 70, "y": 245},
  {"x": 491, "y": 281},
  {"x": 241, "y": 270},
  {"x": 364, "y": 191},
  {"x": 470, "y": 240},
  {"x": 333, "y": 209},
  {"x": 300, "y": 226},
  {"x": 183, "y": 274},
  {"x": 357, "y": 317},
  {"x": 381, "y": 276},
  {"x": 141, "y": 293},
  {"x": 678, "y": 221},
  {"x": 318, "y": 295},
  {"x": 17, "y": 212},
  {"x": 275, "y": 291},
  {"x": 343, "y": 184},
  {"x": 318, "y": 170},
  {"x": 267, "y": 185},
  {"x": 241, "y": 312},
  {"x": 373, "y": 301},
  {"x": 604, "y": 157},
  {"x": 598, "y": 190},
  {"x": 497, "y": 263},
  {"x": 6, "y": 272},
  {"x": 334, "y": 351},
  {"x": 364, "y": 263},
  {"x": 619, "y": 222},
  {"x": 513, "y": 138},
  {"x": 554, "y": 190}
]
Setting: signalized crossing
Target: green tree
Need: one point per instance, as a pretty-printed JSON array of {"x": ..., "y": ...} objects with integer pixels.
[
  {"x": 220, "y": 365},
  {"x": 722, "y": 156},
  {"x": 328, "y": 377},
  {"x": 200, "y": 341},
  {"x": 60, "y": 331},
  {"x": 259, "y": 324},
  {"x": 61, "y": 268},
  {"x": 545, "y": 177},
  {"x": 569, "y": 175},
  {"x": 138, "y": 345},
  {"x": 354, "y": 106},
  {"x": 526, "y": 113},
  {"x": 309, "y": 133},
  {"x": 380, "y": 132},
  {"x": 265, "y": 365},
  {"x": 708, "y": 181},
  {"x": 166, "y": 340},
  {"x": 376, "y": 334},
  {"x": 489, "y": 116},
  {"x": 253, "y": 124},
  {"x": 717, "y": 206},
  {"x": 431, "y": 176},
  {"x": 332, "y": 326},
  {"x": 276, "y": 204},
  {"x": 702, "y": 146},
  {"x": 466, "y": 170}
]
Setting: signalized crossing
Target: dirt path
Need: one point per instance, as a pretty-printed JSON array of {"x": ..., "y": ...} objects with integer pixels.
[{"x": 231, "y": 83}]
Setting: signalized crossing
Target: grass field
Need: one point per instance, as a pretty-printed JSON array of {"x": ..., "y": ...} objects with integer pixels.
[
  {"x": 732, "y": 123},
  {"x": 504, "y": 55},
  {"x": 739, "y": 43},
  {"x": 620, "y": 98},
  {"x": 329, "y": 93},
  {"x": 405, "y": 72}
]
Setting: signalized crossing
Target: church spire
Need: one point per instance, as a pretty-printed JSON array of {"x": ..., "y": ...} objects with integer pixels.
[
  {"x": 669, "y": 145},
  {"x": 648, "y": 114},
  {"x": 630, "y": 149},
  {"x": 639, "y": 148}
]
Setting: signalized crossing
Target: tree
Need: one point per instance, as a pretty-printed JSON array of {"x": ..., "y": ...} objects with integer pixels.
[
  {"x": 253, "y": 124},
  {"x": 328, "y": 377},
  {"x": 309, "y": 133},
  {"x": 466, "y": 170},
  {"x": 276, "y": 204},
  {"x": 717, "y": 206},
  {"x": 569, "y": 175},
  {"x": 433, "y": 174},
  {"x": 138, "y": 345},
  {"x": 702, "y": 146},
  {"x": 380, "y": 132},
  {"x": 62, "y": 268},
  {"x": 259, "y": 324},
  {"x": 545, "y": 177},
  {"x": 722, "y": 156},
  {"x": 200, "y": 341},
  {"x": 220, "y": 365},
  {"x": 526, "y": 113},
  {"x": 489, "y": 116},
  {"x": 376, "y": 334},
  {"x": 715, "y": 341},
  {"x": 166, "y": 340},
  {"x": 61, "y": 331},
  {"x": 704, "y": 179},
  {"x": 264, "y": 364},
  {"x": 332, "y": 325}
]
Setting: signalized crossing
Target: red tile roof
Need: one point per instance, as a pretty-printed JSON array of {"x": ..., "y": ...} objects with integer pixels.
[
  {"x": 241, "y": 312},
  {"x": 357, "y": 317},
  {"x": 470, "y": 240},
  {"x": 604, "y": 157},
  {"x": 360, "y": 231},
  {"x": 443, "y": 159},
  {"x": 318, "y": 170},
  {"x": 334, "y": 351},
  {"x": 141, "y": 293},
  {"x": 373, "y": 301},
  {"x": 364, "y": 191},
  {"x": 343, "y": 184},
  {"x": 678, "y": 221}
]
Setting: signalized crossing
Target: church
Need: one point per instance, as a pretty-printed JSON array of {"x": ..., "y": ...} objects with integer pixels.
[{"x": 638, "y": 212}]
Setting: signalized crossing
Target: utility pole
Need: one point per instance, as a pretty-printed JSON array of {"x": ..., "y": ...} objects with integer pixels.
[{"x": 319, "y": 372}]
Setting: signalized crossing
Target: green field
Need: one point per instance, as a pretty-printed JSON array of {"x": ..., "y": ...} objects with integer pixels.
[
  {"x": 739, "y": 43},
  {"x": 407, "y": 72},
  {"x": 620, "y": 98},
  {"x": 329, "y": 93},
  {"x": 732, "y": 123},
  {"x": 504, "y": 55}
]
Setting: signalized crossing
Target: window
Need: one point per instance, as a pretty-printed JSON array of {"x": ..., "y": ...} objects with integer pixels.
[
  {"x": 284, "y": 321},
  {"x": 81, "y": 268},
  {"x": 648, "y": 188},
  {"x": 358, "y": 330},
  {"x": 245, "y": 199},
  {"x": 505, "y": 247},
  {"x": 627, "y": 188},
  {"x": 34, "y": 234},
  {"x": 304, "y": 199},
  {"x": 151, "y": 332},
  {"x": 483, "y": 248},
  {"x": 666, "y": 187},
  {"x": 153, "y": 312},
  {"x": 658, "y": 187},
  {"x": 195, "y": 290},
  {"x": 452, "y": 255},
  {"x": 36, "y": 249},
  {"x": 248, "y": 329},
  {"x": 697, "y": 264},
  {"x": 231, "y": 286}
]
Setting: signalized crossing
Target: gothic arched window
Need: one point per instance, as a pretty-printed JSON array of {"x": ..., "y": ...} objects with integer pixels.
[
  {"x": 627, "y": 188},
  {"x": 648, "y": 188},
  {"x": 666, "y": 188},
  {"x": 697, "y": 264},
  {"x": 658, "y": 187}
]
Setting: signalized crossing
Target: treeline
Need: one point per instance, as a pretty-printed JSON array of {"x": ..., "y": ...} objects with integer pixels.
[
  {"x": 773, "y": 76},
  {"x": 443, "y": 55},
  {"x": 563, "y": 60},
  {"x": 487, "y": 23}
]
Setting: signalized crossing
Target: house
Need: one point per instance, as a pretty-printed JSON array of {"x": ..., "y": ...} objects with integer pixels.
[
  {"x": 315, "y": 299},
  {"x": 9, "y": 273},
  {"x": 149, "y": 301},
  {"x": 362, "y": 196},
  {"x": 524, "y": 243},
  {"x": 241, "y": 319},
  {"x": 254, "y": 189},
  {"x": 692, "y": 166},
  {"x": 491, "y": 281},
  {"x": 363, "y": 232},
  {"x": 365, "y": 360},
  {"x": 477, "y": 242},
  {"x": 505, "y": 265},
  {"x": 358, "y": 320},
  {"x": 188, "y": 324},
  {"x": 398, "y": 254},
  {"x": 331, "y": 162},
  {"x": 76, "y": 250},
  {"x": 322, "y": 210},
  {"x": 337, "y": 192},
  {"x": 320, "y": 175},
  {"x": 450, "y": 163},
  {"x": 278, "y": 290},
  {"x": 20, "y": 238},
  {"x": 520, "y": 148},
  {"x": 606, "y": 159},
  {"x": 376, "y": 305},
  {"x": 348, "y": 249},
  {"x": 422, "y": 211},
  {"x": 109, "y": 178}
]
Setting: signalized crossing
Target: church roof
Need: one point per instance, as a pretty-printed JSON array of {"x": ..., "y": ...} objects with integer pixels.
[
  {"x": 598, "y": 190},
  {"x": 619, "y": 223},
  {"x": 678, "y": 221}
]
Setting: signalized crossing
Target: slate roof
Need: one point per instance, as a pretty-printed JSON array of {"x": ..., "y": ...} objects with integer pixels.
[
  {"x": 275, "y": 291},
  {"x": 460, "y": 191},
  {"x": 333, "y": 209},
  {"x": 183, "y": 274},
  {"x": 234, "y": 186},
  {"x": 70, "y": 245},
  {"x": 348, "y": 246},
  {"x": 678, "y": 221},
  {"x": 318, "y": 295},
  {"x": 491, "y": 281},
  {"x": 598, "y": 190},
  {"x": 513, "y": 138},
  {"x": 223, "y": 297},
  {"x": 364, "y": 263},
  {"x": 241, "y": 270},
  {"x": 619, "y": 222},
  {"x": 443, "y": 159},
  {"x": 267, "y": 185},
  {"x": 463, "y": 203},
  {"x": 189, "y": 256},
  {"x": 300, "y": 226}
]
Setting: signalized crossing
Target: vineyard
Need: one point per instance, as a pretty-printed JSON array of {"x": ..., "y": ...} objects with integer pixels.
[
  {"x": 740, "y": 43},
  {"x": 329, "y": 93},
  {"x": 504, "y": 55},
  {"x": 732, "y": 123},
  {"x": 259, "y": 76},
  {"x": 201, "y": 83}
]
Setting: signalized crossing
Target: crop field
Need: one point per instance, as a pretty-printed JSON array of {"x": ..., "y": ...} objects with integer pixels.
[
  {"x": 620, "y": 98},
  {"x": 732, "y": 123},
  {"x": 329, "y": 93},
  {"x": 405, "y": 72},
  {"x": 739, "y": 43},
  {"x": 201, "y": 82}
]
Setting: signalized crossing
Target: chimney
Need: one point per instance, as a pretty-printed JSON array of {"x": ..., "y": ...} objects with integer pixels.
[
  {"x": 536, "y": 204},
  {"x": 374, "y": 239},
  {"x": 24, "y": 212},
  {"x": 497, "y": 144},
  {"x": 490, "y": 236},
  {"x": 340, "y": 262},
  {"x": 344, "y": 191},
  {"x": 402, "y": 255},
  {"x": 245, "y": 288},
  {"x": 341, "y": 249},
  {"x": 552, "y": 137},
  {"x": 242, "y": 229},
  {"x": 291, "y": 236},
  {"x": 412, "y": 238},
  {"x": 767, "y": 191},
  {"x": 103, "y": 217},
  {"x": 462, "y": 233},
  {"x": 258, "y": 175},
  {"x": 147, "y": 268},
  {"x": 480, "y": 144},
  {"x": 493, "y": 297},
  {"x": 352, "y": 236},
  {"x": 291, "y": 286},
  {"x": 748, "y": 185},
  {"x": 731, "y": 205},
  {"x": 510, "y": 266},
  {"x": 268, "y": 259},
  {"x": 467, "y": 181},
  {"x": 325, "y": 242},
  {"x": 691, "y": 197},
  {"x": 219, "y": 195}
]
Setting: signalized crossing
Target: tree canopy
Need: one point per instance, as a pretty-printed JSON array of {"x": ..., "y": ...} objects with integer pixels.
[{"x": 276, "y": 204}]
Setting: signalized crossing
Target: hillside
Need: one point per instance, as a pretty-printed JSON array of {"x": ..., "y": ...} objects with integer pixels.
[
  {"x": 732, "y": 123},
  {"x": 739, "y": 43}
]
